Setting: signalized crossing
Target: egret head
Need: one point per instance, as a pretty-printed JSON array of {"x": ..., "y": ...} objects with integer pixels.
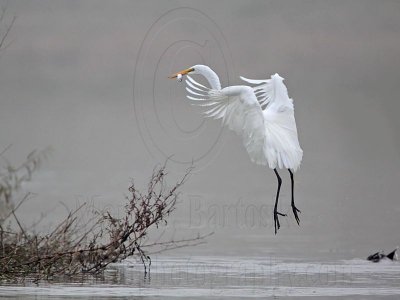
[{"x": 196, "y": 69}]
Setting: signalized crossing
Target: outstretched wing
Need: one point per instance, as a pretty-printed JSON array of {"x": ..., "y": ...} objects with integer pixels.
[
  {"x": 238, "y": 108},
  {"x": 282, "y": 146},
  {"x": 271, "y": 93}
]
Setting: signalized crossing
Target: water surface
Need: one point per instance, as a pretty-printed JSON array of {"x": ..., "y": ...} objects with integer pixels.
[{"x": 221, "y": 277}]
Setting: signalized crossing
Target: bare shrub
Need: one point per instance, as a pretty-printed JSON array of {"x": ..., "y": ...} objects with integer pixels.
[
  {"x": 69, "y": 250},
  {"x": 12, "y": 177}
]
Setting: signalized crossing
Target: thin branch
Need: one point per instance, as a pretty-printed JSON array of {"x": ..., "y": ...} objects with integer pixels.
[
  {"x": 18, "y": 205},
  {"x": 6, "y": 148},
  {"x": 8, "y": 29},
  {"x": 89, "y": 244}
]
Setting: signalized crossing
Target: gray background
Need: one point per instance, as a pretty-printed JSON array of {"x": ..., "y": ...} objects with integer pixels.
[{"x": 89, "y": 79}]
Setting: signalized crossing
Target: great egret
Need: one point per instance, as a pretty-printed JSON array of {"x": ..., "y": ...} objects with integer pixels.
[{"x": 262, "y": 115}]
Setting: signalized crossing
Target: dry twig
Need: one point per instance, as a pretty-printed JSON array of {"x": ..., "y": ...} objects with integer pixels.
[{"x": 68, "y": 251}]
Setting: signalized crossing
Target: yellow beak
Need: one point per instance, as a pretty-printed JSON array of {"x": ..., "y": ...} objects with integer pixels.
[{"x": 183, "y": 72}]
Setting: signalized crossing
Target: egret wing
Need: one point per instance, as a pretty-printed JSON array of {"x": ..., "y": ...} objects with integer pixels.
[
  {"x": 238, "y": 108},
  {"x": 271, "y": 93},
  {"x": 282, "y": 145}
]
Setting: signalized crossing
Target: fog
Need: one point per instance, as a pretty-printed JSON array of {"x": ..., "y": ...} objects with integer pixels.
[{"x": 89, "y": 79}]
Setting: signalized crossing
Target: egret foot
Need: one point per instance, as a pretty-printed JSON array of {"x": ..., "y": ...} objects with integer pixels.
[
  {"x": 276, "y": 220},
  {"x": 295, "y": 211}
]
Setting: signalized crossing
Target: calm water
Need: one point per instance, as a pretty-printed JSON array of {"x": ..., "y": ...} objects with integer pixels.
[
  {"x": 219, "y": 277},
  {"x": 91, "y": 81}
]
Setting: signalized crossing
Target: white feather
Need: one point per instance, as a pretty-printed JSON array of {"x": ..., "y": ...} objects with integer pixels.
[
  {"x": 262, "y": 115},
  {"x": 194, "y": 93},
  {"x": 198, "y": 84}
]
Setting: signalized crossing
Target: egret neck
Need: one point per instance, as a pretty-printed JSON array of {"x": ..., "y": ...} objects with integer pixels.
[{"x": 210, "y": 75}]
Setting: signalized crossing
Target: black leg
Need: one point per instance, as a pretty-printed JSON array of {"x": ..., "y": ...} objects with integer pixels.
[
  {"x": 294, "y": 208},
  {"x": 276, "y": 213}
]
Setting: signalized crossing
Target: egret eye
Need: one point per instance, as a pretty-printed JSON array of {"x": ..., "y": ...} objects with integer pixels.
[{"x": 179, "y": 77}]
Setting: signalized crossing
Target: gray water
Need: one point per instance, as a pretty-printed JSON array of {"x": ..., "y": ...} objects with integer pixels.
[
  {"x": 89, "y": 79},
  {"x": 227, "y": 277}
]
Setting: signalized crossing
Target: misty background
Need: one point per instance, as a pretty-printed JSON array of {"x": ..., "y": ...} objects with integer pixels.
[{"x": 89, "y": 79}]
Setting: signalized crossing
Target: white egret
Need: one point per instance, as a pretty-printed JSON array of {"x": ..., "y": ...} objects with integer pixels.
[{"x": 263, "y": 115}]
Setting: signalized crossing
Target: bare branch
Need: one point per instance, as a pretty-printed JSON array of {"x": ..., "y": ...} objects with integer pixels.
[
  {"x": 72, "y": 247},
  {"x": 5, "y": 35}
]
